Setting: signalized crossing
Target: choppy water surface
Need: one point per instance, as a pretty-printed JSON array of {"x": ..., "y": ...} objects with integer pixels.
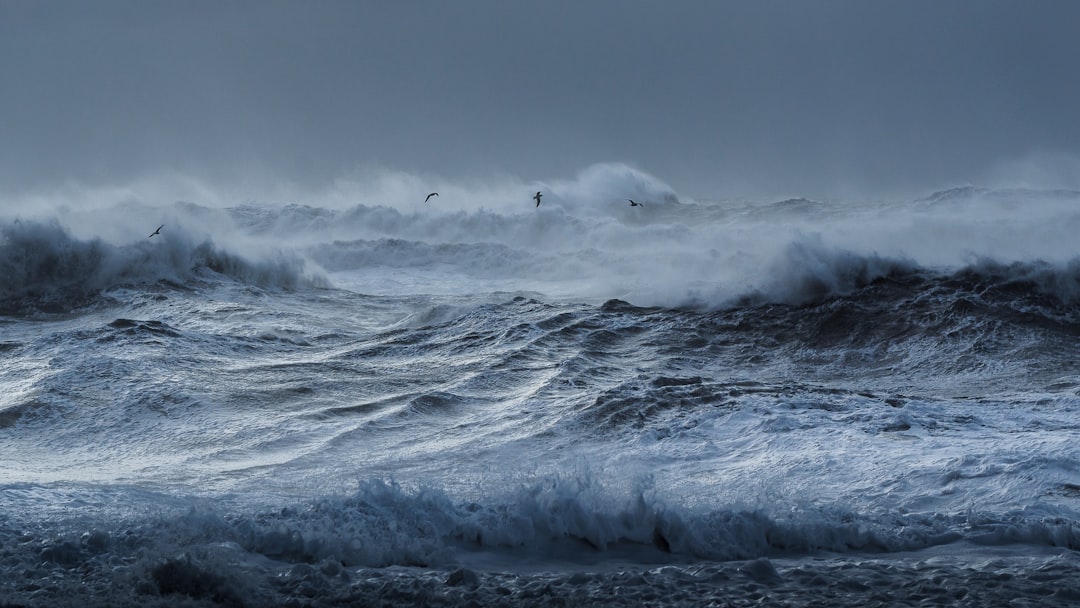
[{"x": 684, "y": 403}]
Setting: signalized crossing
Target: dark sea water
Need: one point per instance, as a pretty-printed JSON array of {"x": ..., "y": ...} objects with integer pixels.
[{"x": 480, "y": 402}]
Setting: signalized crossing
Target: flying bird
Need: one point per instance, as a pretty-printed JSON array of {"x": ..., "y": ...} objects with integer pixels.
[
  {"x": 158, "y": 231},
  {"x": 431, "y": 195},
  {"x": 633, "y": 204},
  {"x": 537, "y": 198}
]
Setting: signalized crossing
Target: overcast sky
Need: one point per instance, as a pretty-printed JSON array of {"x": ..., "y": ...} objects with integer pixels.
[{"x": 719, "y": 99}]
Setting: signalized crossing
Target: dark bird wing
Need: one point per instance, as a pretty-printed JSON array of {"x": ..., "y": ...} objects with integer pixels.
[
  {"x": 158, "y": 231},
  {"x": 431, "y": 195}
]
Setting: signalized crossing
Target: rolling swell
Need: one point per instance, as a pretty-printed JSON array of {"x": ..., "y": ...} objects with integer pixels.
[
  {"x": 907, "y": 327},
  {"x": 617, "y": 367},
  {"x": 904, "y": 303},
  {"x": 46, "y": 269}
]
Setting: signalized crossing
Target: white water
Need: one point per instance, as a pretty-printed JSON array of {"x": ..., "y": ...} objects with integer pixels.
[{"x": 269, "y": 402}]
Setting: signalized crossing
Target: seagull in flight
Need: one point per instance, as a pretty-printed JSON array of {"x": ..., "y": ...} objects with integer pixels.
[
  {"x": 537, "y": 198},
  {"x": 431, "y": 195},
  {"x": 634, "y": 204},
  {"x": 158, "y": 231}
]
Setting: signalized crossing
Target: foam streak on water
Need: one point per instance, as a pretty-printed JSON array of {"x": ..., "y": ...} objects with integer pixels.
[{"x": 379, "y": 402}]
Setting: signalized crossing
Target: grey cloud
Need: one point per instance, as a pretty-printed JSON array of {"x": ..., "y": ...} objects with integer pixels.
[{"x": 718, "y": 98}]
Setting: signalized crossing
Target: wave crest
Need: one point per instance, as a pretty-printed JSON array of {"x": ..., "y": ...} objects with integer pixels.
[
  {"x": 46, "y": 268},
  {"x": 808, "y": 272}
]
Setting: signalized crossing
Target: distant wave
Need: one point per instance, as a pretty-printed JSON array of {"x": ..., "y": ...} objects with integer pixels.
[
  {"x": 813, "y": 275},
  {"x": 1057, "y": 284},
  {"x": 677, "y": 259},
  {"x": 808, "y": 272},
  {"x": 46, "y": 268},
  {"x": 584, "y": 241},
  {"x": 675, "y": 252}
]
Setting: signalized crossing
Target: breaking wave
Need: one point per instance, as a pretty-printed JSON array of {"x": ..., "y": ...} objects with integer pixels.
[{"x": 45, "y": 267}]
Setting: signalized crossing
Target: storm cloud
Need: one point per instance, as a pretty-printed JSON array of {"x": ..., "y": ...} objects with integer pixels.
[{"x": 719, "y": 99}]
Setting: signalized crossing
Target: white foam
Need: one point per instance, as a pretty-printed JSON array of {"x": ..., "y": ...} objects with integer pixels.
[{"x": 585, "y": 236}]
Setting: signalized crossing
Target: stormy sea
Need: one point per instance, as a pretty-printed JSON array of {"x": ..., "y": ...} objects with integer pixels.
[{"x": 366, "y": 399}]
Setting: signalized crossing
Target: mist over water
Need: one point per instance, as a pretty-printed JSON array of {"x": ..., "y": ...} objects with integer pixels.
[{"x": 585, "y": 240}]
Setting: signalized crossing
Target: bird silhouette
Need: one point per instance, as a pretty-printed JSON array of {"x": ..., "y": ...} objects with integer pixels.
[
  {"x": 634, "y": 204},
  {"x": 431, "y": 195},
  {"x": 158, "y": 231},
  {"x": 537, "y": 198}
]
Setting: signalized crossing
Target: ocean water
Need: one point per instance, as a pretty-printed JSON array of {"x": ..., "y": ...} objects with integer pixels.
[{"x": 364, "y": 399}]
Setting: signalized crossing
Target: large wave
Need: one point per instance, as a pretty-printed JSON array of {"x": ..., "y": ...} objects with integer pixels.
[
  {"x": 584, "y": 241},
  {"x": 205, "y": 552},
  {"x": 45, "y": 267},
  {"x": 331, "y": 552}
]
